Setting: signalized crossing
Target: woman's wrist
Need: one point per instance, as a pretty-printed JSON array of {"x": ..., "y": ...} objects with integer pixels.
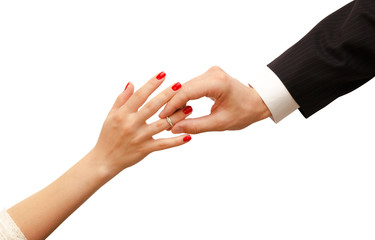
[{"x": 97, "y": 161}]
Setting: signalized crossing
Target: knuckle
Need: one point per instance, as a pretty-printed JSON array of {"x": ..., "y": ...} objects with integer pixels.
[
  {"x": 160, "y": 124},
  {"x": 221, "y": 76},
  {"x": 163, "y": 145},
  {"x": 215, "y": 69},
  {"x": 171, "y": 107},
  {"x": 167, "y": 94},
  {"x": 184, "y": 97},
  {"x": 129, "y": 126},
  {"x": 138, "y": 94},
  {"x": 218, "y": 75},
  {"x": 136, "y": 140},
  {"x": 194, "y": 129},
  {"x": 147, "y": 107},
  {"x": 126, "y": 129},
  {"x": 116, "y": 118}
]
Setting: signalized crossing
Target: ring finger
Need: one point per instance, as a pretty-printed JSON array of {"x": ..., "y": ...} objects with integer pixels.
[{"x": 163, "y": 124}]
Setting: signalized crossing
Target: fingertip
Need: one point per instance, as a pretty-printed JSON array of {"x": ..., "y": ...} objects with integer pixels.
[
  {"x": 124, "y": 95},
  {"x": 126, "y": 86},
  {"x": 176, "y": 86},
  {"x": 187, "y": 138},
  {"x": 161, "y": 76},
  {"x": 129, "y": 87},
  {"x": 187, "y": 110}
]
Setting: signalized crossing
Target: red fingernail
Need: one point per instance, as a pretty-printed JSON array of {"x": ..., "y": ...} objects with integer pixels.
[
  {"x": 176, "y": 86},
  {"x": 126, "y": 86},
  {"x": 187, "y": 138},
  {"x": 188, "y": 110},
  {"x": 160, "y": 76}
]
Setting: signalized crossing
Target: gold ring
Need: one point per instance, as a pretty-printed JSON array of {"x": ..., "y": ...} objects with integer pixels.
[{"x": 169, "y": 121}]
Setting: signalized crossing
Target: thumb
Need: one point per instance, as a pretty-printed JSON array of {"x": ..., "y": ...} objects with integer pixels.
[{"x": 207, "y": 123}]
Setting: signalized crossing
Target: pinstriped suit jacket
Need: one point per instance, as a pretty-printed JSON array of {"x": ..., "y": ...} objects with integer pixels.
[{"x": 334, "y": 58}]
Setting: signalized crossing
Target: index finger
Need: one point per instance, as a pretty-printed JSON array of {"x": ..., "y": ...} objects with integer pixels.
[
  {"x": 152, "y": 106},
  {"x": 194, "y": 89}
]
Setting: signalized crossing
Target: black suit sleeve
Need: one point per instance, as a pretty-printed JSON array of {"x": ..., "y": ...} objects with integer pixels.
[{"x": 334, "y": 58}]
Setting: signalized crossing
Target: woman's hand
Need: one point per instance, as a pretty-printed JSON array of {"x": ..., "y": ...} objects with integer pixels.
[{"x": 126, "y": 138}]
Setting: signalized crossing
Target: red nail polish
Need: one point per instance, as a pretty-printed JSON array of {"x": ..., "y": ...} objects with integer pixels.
[
  {"x": 176, "y": 86},
  {"x": 160, "y": 76},
  {"x": 126, "y": 86},
  {"x": 188, "y": 110},
  {"x": 187, "y": 138}
]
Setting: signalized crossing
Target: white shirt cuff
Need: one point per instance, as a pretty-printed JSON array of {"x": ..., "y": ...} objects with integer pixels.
[{"x": 274, "y": 94}]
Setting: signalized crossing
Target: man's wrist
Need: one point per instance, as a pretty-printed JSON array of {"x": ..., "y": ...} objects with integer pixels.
[
  {"x": 274, "y": 94},
  {"x": 263, "y": 110}
]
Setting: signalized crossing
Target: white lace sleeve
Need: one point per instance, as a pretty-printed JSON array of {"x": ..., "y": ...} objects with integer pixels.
[{"x": 8, "y": 228}]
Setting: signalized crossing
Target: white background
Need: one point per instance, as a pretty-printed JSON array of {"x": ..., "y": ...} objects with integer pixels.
[{"x": 63, "y": 63}]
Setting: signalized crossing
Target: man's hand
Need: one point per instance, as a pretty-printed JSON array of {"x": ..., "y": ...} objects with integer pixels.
[{"x": 236, "y": 105}]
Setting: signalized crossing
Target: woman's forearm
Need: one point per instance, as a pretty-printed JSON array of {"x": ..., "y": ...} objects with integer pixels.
[
  {"x": 40, "y": 214},
  {"x": 125, "y": 139}
]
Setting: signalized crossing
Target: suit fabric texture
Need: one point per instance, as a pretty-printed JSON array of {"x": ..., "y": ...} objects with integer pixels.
[{"x": 334, "y": 58}]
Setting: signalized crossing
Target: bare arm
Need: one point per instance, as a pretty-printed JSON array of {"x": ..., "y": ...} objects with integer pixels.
[
  {"x": 125, "y": 140},
  {"x": 40, "y": 214}
]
